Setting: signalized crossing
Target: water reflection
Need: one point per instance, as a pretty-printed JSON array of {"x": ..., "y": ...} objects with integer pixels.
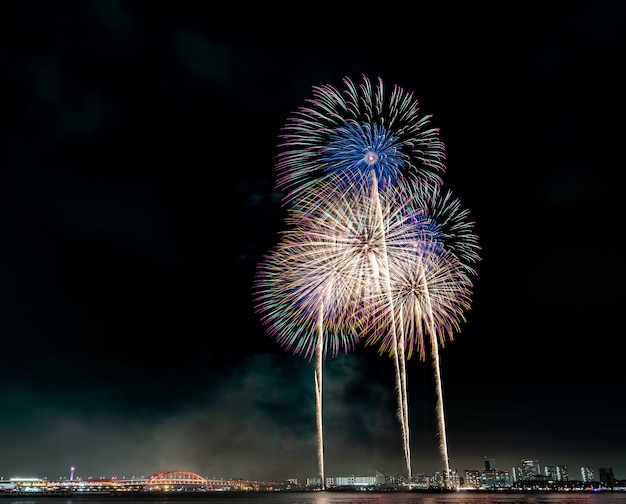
[{"x": 341, "y": 498}]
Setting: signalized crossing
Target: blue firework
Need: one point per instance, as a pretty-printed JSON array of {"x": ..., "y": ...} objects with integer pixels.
[
  {"x": 355, "y": 152},
  {"x": 354, "y": 136}
]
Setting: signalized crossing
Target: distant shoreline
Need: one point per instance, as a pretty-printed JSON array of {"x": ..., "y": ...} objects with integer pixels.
[{"x": 237, "y": 493}]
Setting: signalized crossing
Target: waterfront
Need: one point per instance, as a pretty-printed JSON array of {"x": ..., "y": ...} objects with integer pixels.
[{"x": 329, "y": 497}]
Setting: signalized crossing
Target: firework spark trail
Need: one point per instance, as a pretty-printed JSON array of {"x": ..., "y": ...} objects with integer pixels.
[
  {"x": 434, "y": 344},
  {"x": 403, "y": 410},
  {"x": 318, "y": 395},
  {"x": 398, "y": 359},
  {"x": 441, "y": 421}
]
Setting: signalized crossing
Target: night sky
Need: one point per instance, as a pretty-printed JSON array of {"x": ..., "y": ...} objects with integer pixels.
[{"x": 137, "y": 150}]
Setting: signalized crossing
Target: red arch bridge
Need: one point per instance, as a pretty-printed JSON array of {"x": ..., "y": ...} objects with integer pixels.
[{"x": 184, "y": 479}]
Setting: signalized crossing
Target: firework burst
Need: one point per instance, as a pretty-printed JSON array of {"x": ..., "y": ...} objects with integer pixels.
[
  {"x": 314, "y": 288},
  {"x": 452, "y": 225},
  {"x": 335, "y": 257},
  {"x": 373, "y": 247},
  {"x": 356, "y": 135},
  {"x": 430, "y": 288}
]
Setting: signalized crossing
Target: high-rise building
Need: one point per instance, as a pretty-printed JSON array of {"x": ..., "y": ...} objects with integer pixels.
[
  {"x": 454, "y": 479},
  {"x": 472, "y": 479},
  {"x": 317, "y": 481},
  {"x": 586, "y": 474},
  {"x": 493, "y": 478},
  {"x": 556, "y": 473},
  {"x": 490, "y": 463},
  {"x": 606, "y": 477},
  {"x": 527, "y": 471}
]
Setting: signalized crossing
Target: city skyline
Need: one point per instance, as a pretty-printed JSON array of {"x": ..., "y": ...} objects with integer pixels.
[
  {"x": 526, "y": 470},
  {"x": 139, "y": 194},
  {"x": 577, "y": 473}
]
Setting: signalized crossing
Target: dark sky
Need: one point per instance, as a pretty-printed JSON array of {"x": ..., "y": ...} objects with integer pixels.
[{"x": 137, "y": 188}]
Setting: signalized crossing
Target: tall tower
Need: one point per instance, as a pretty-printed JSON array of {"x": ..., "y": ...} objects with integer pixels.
[{"x": 72, "y": 473}]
